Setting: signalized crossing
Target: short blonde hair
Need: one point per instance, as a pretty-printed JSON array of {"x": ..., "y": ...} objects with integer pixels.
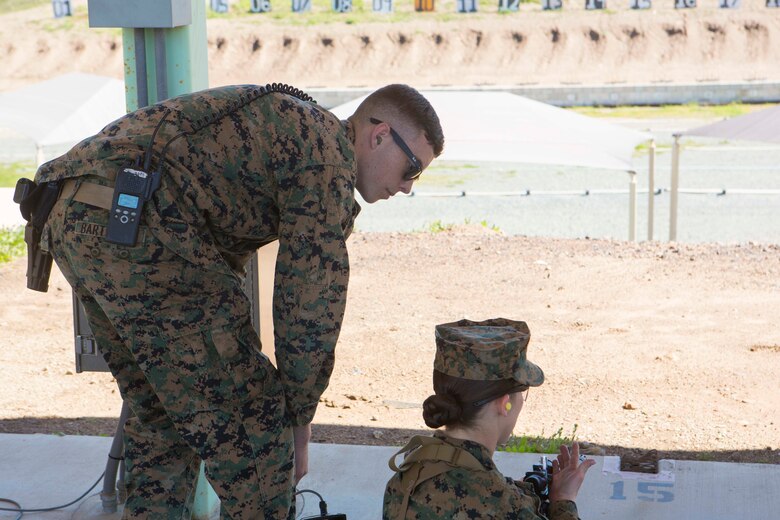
[{"x": 410, "y": 106}]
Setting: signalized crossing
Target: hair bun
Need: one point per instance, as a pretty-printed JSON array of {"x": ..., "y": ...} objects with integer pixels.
[{"x": 440, "y": 410}]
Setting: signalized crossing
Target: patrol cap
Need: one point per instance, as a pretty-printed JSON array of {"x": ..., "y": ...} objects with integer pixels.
[{"x": 488, "y": 350}]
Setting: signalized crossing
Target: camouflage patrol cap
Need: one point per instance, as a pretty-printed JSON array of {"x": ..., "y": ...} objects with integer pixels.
[{"x": 488, "y": 350}]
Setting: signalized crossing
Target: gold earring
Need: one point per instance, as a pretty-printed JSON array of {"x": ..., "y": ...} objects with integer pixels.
[{"x": 508, "y": 406}]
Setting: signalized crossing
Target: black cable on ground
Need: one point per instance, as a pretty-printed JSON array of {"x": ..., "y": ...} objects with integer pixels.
[
  {"x": 323, "y": 507},
  {"x": 19, "y": 509}
]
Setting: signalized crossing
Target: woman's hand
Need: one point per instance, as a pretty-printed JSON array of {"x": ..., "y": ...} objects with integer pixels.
[{"x": 568, "y": 473}]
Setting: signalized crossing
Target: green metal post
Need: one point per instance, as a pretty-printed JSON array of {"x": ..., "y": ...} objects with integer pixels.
[
  {"x": 186, "y": 59},
  {"x": 188, "y": 54},
  {"x": 184, "y": 52},
  {"x": 131, "y": 90}
]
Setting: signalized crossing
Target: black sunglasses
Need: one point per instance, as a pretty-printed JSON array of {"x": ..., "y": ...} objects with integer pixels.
[
  {"x": 518, "y": 388},
  {"x": 415, "y": 168}
]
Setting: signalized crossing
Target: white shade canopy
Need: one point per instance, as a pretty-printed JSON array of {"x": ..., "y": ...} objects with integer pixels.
[
  {"x": 63, "y": 110},
  {"x": 763, "y": 125},
  {"x": 502, "y": 127}
]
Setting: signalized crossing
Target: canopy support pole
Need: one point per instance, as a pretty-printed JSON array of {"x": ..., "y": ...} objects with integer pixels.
[
  {"x": 632, "y": 207},
  {"x": 39, "y": 157},
  {"x": 675, "y": 188},
  {"x": 651, "y": 190}
]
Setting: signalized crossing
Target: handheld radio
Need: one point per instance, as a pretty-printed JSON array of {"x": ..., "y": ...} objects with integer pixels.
[{"x": 133, "y": 188}]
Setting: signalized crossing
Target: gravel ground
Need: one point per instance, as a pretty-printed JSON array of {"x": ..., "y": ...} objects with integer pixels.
[{"x": 672, "y": 347}]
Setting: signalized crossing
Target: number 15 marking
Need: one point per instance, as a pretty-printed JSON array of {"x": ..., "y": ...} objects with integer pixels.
[{"x": 655, "y": 490}]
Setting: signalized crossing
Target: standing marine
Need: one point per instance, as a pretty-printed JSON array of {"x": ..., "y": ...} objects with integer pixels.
[{"x": 152, "y": 221}]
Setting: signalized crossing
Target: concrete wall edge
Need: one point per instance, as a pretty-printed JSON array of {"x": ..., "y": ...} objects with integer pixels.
[{"x": 597, "y": 95}]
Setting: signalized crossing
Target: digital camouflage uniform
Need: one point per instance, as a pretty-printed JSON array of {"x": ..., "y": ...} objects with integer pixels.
[
  {"x": 464, "y": 494},
  {"x": 467, "y": 486},
  {"x": 240, "y": 170}
]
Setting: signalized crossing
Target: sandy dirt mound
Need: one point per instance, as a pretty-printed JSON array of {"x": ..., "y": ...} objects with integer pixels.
[
  {"x": 645, "y": 346},
  {"x": 528, "y": 48}
]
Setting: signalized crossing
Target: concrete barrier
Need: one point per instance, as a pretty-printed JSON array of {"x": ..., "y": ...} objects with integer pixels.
[
  {"x": 681, "y": 489},
  {"x": 603, "y": 95},
  {"x": 47, "y": 470}
]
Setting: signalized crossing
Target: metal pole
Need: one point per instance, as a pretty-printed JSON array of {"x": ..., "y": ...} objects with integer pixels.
[
  {"x": 187, "y": 54},
  {"x": 148, "y": 80},
  {"x": 140, "y": 68},
  {"x": 39, "y": 156},
  {"x": 632, "y": 207},
  {"x": 108, "y": 496},
  {"x": 675, "y": 188},
  {"x": 161, "y": 64},
  {"x": 651, "y": 190},
  {"x": 185, "y": 49}
]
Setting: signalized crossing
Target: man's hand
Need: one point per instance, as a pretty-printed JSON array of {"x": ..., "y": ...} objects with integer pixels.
[
  {"x": 568, "y": 473},
  {"x": 301, "y": 436}
]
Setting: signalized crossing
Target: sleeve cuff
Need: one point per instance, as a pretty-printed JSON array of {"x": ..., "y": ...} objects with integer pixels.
[
  {"x": 303, "y": 416},
  {"x": 563, "y": 510}
]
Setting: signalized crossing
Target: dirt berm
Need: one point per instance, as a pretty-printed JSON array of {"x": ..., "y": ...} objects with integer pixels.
[{"x": 532, "y": 47}]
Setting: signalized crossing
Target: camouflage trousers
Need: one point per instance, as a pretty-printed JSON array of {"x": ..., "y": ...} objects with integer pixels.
[{"x": 179, "y": 341}]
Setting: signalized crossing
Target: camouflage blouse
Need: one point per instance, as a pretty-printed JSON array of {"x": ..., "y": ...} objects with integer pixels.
[
  {"x": 463, "y": 494},
  {"x": 242, "y": 168}
]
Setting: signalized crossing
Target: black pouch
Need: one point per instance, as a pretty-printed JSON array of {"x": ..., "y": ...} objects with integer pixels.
[{"x": 35, "y": 202}]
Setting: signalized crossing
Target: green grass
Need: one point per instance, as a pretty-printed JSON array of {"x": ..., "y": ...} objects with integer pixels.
[
  {"x": 446, "y": 175},
  {"x": 540, "y": 444},
  {"x": 689, "y": 110},
  {"x": 79, "y": 20},
  {"x": 487, "y": 225},
  {"x": 11, "y": 172},
  {"x": 438, "y": 226},
  {"x": 11, "y": 243},
  {"x": 441, "y": 179},
  {"x": 9, "y": 6},
  {"x": 452, "y": 166},
  {"x": 645, "y": 147},
  {"x": 705, "y": 456}
]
